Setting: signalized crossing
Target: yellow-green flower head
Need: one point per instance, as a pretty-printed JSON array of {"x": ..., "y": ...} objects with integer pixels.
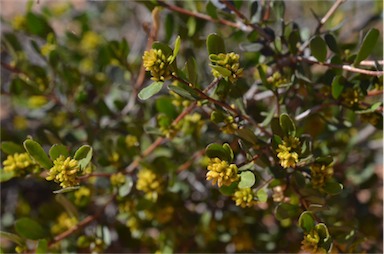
[
  {"x": 82, "y": 196},
  {"x": 20, "y": 164},
  {"x": 131, "y": 141},
  {"x": 64, "y": 171},
  {"x": 311, "y": 241},
  {"x": 350, "y": 97},
  {"x": 90, "y": 41},
  {"x": 320, "y": 174},
  {"x": 221, "y": 172},
  {"x": 230, "y": 125},
  {"x": 64, "y": 222},
  {"x": 117, "y": 179},
  {"x": 277, "y": 80},
  {"x": 229, "y": 61},
  {"x": 288, "y": 152},
  {"x": 149, "y": 182},
  {"x": 244, "y": 197},
  {"x": 158, "y": 64}
]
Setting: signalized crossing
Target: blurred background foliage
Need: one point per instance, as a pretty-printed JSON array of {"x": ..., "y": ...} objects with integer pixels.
[{"x": 71, "y": 74}]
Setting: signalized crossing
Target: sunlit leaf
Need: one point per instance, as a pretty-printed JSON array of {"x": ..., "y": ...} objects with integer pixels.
[
  {"x": 37, "y": 153},
  {"x": 150, "y": 90},
  {"x": 367, "y": 45}
]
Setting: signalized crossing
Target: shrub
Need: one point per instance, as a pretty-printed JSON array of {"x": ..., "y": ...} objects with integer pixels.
[{"x": 193, "y": 126}]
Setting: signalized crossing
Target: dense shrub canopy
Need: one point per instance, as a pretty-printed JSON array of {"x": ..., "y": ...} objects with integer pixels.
[{"x": 192, "y": 126}]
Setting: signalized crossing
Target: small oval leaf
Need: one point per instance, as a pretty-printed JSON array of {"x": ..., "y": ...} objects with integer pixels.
[
  {"x": 367, "y": 45},
  {"x": 57, "y": 150},
  {"x": 287, "y": 125},
  {"x": 10, "y": 147},
  {"x": 247, "y": 180},
  {"x": 30, "y": 229},
  {"x": 217, "y": 151},
  {"x": 37, "y": 153},
  {"x": 150, "y": 90},
  {"x": 337, "y": 86},
  {"x": 83, "y": 155},
  {"x": 215, "y": 44},
  {"x": 306, "y": 221},
  {"x": 318, "y": 48}
]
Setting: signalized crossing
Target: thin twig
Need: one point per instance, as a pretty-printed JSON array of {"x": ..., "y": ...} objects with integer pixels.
[
  {"x": 341, "y": 66},
  {"x": 131, "y": 167},
  {"x": 81, "y": 224},
  {"x": 330, "y": 12},
  {"x": 246, "y": 22}
]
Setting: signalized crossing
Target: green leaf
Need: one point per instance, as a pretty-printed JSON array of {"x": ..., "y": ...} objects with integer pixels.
[
  {"x": 248, "y": 135},
  {"x": 164, "y": 105},
  {"x": 293, "y": 40},
  {"x": 228, "y": 148},
  {"x": 217, "y": 151},
  {"x": 83, "y": 155},
  {"x": 30, "y": 229},
  {"x": 6, "y": 176},
  {"x": 276, "y": 128},
  {"x": 184, "y": 91},
  {"x": 338, "y": 83},
  {"x": 324, "y": 160},
  {"x": 215, "y": 44},
  {"x": 262, "y": 195},
  {"x": 371, "y": 109},
  {"x": 332, "y": 187},
  {"x": 37, "y": 25},
  {"x": 211, "y": 10},
  {"x": 223, "y": 71},
  {"x": 318, "y": 48},
  {"x": 37, "y": 153},
  {"x": 286, "y": 211},
  {"x": 306, "y": 221},
  {"x": 10, "y": 147},
  {"x": 192, "y": 71},
  {"x": 247, "y": 180},
  {"x": 287, "y": 125},
  {"x": 65, "y": 190},
  {"x": 331, "y": 42},
  {"x": 150, "y": 90},
  {"x": 177, "y": 47},
  {"x": 42, "y": 246},
  {"x": 367, "y": 46},
  {"x": 191, "y": 26},
  {"x": 167, "y": 51},
  {"x": 298, "y": 179},
  {"x": 57, "y": 150},
  {"x": 230, "y": 189},
  {"x": 12, "y": 237}
]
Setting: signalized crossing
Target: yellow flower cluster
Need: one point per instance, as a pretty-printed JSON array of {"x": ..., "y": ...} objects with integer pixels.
[
  {"x": 20, "y": 164},
  {"x": 64, "y": 222},
  {"x": 244, "y": 197},
  {"x": 287, "y": 152},
  {"x": 320, "y": 174},
  {"x": 230, "y": 125},
  {"x": 311, "y": 241},
  {"x": 131, "y": 141},
  {"x": 82, "y": 196},
  {"x": 277, "y": 80},
  {"x": 155, "y": 61},
  {"x": 150, "y": 183},
  {"x": 229, "y": 61},
  {"x": 350, "y": 97},
  {"x": 221, "y": 172},
  {"x": 64, "y": 171},
  {"x": 117, "y": 179}
]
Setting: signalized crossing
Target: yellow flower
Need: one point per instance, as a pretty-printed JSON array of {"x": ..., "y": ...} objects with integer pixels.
[
  {"x": 221, "y": 172},
  {"x": 64, "y": 171},
  {"x": 20, "y": 164},
  {"x": 350, "y": 97},
  {"x": 20, "y": 122},
  {"x": 320, "y": 174},
  {"x": 287, "y": 152},
  {"x": 82, "y": 196},
  {"x": 150, "y": 183},
  {"x": 244, "y": 197},
  {"x": 155, "y": 61},
  {"x": 90, "y": 41},
  {"x": 37, "y": 101},
  {"x": 131, "y": 141},
  {"x": 229, "y": 61},
  {"x": 311, "y": 241},
  {"x": 117, "y": 179},
  {"x": 64, "y": 222}
]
